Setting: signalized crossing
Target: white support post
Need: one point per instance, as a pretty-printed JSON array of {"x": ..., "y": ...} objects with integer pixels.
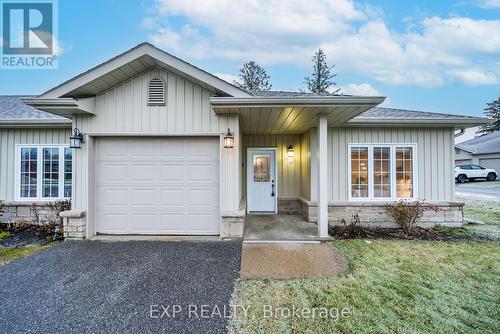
[{"x": 323, "y": 176}]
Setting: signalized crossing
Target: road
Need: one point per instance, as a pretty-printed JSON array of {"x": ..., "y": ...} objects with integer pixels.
[{"x": 478, "y": 189}]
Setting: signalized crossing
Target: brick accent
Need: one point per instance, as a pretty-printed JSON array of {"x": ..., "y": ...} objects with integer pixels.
[
  {"x": 73, "y": 224},
  {"x": 374, "y": 214},
  {"x": 289, "y": 206}
]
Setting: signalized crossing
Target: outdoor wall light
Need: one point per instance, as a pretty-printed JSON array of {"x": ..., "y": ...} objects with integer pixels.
[
  {"x": 228, "y": 139},
  {"x": 76, "y": 140},
  {"x": 290, "y": 154}
]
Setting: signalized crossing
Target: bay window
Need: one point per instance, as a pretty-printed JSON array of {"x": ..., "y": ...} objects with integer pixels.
[
  {"x": 382, "y": 171},
  {"x": 45, "y": 172}
]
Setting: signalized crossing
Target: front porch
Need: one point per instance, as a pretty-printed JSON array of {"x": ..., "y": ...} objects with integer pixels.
[{"x": 279, "y": 227}]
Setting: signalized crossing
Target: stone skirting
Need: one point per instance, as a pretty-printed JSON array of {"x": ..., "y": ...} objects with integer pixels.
[
  {"x": 233, "y": 223},
  {"x": 374, "y": 214},
  {"x": 73, "y": 224},
  {"x": 24, "y": 212},
  {"x": 289, "y": 206}
]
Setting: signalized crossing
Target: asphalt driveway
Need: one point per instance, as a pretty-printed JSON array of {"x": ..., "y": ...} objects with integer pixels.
[
  {"x": 478, "y": 188},
  {"x": 120, "y": 287}
]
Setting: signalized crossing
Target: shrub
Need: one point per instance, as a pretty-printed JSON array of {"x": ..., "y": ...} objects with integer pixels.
[
  {"x": 2, "y": 205},
  {"x": 353, "y": 229},
  {"x": 407, "y": 214}
]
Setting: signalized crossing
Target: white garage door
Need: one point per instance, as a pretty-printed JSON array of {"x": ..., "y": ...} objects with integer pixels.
[
  {"x": 493, "y": 163},
  {"x": 157, "y": 186}
]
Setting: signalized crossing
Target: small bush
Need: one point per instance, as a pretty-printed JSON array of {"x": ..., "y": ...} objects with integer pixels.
[
  {"x": 20, "y": 225},
  {"x": 2, "y": 205},
  {"x": 407, "y": 214},
  {"x": 353, "y": 229}
]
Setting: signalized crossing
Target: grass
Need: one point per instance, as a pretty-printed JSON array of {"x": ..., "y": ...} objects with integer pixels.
[
  {"x": 4, "y": 234},
  {"x": 9, "y": 254},
  {"x": 390, "y": 287},
  {"x": 483, "y": 184},
  {"x": 487, "y": 212}
]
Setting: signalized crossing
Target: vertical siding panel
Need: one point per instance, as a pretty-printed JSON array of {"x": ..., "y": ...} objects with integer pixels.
[{"x": 179, "y": 106}]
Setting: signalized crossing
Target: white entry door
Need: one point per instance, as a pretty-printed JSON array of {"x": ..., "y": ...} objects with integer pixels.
[
  {"x": 262, "y": 187},
  {"x": 157, "y": 186}
]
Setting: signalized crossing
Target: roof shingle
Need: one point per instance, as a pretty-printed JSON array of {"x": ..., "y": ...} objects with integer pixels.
[
  {"x": 12, "y": 108},
  {"x": 489, "y": 143}
]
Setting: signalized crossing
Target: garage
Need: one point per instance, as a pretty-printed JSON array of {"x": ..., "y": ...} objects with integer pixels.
[
  {"x": 462, "y": 162},
  {"x": 493, "y": 163},
  {"x": 157, "y": 186}
]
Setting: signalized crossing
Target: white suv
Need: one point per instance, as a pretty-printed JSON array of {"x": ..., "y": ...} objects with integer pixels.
[{"x": 472, "y": 172}]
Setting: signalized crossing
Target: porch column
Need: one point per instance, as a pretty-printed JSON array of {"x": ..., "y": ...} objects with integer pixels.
[{"x": 323, "y": 176}]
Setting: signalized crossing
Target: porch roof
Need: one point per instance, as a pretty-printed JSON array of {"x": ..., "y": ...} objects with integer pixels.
[{"x": 292, "y": 114}]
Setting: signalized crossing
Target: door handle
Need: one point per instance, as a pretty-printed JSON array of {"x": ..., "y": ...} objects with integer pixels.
[{"x": 272, "y": 188}]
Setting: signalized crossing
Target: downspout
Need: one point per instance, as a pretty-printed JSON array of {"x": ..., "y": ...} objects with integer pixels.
[{"x": 461, "y": 132}]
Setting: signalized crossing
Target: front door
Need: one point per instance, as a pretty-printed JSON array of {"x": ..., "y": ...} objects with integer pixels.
[{"x": 261, "y": 180}]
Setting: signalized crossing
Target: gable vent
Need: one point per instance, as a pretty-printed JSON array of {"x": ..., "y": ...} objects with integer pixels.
[{"x": 156, "y": 92}]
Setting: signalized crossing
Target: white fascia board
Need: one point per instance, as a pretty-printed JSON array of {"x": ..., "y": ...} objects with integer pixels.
[
  {"x": 137, "y": 52},
  {"x": 65, "y": 107},
  {"x": 428, "y": 122},
  {"x": 35, "y": 123},
  {"x": 311, "y": 101}
]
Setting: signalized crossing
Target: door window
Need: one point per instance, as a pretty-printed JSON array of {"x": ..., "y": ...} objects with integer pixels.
[{"x": 261, "y": 168}]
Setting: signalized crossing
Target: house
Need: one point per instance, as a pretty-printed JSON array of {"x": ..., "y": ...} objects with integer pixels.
[
  {"x": 484, "y": 151},
  {"x": 164, "y": 147}
]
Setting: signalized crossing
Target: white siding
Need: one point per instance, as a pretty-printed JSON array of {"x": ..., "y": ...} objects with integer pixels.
[
  {"x": 435, "y": 154},
  {"x": 9, "y": 138},
  {"x": 124, "y": 110},
  {"x": 305, "y": 165}
]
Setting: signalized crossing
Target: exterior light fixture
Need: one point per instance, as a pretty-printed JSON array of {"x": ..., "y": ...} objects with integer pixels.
[
  {"x": 228, "y": 139},
  {"x": 76, "y": 140},
  {"x": 290, "y": 154}
]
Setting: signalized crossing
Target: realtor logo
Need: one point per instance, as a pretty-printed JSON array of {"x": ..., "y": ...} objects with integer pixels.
[{"x": 28, "y": 34}]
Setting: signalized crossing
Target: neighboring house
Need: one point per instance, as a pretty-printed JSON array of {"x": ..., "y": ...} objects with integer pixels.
[
  {"x": 484, "y": 151},
  {"x": 155, "y": 157}
]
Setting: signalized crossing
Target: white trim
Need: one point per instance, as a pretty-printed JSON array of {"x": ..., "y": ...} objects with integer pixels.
[
  {"x": 162, "y": 58},
  {"x": 249, "y": 175},
  {"x": 39, "y": 172},
  {"x": 322, "y": 176},
  {"x": 392, "y": 165}
]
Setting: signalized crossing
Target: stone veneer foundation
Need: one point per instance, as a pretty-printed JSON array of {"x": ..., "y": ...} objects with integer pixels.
[
  {"x": 23, "y": 212},
  {"x": 374, "y": 214},
  {"x": 73, "y": 224}
]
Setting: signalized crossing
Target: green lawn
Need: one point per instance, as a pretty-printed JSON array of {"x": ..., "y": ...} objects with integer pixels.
[
  {"x": 390, "y": 287},
  {"x": 9, "y": 254},
  {"x": 4, "y": 234},
  {"x": 484, "y": 211}
]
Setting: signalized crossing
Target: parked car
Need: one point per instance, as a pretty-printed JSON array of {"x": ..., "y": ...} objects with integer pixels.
[{"x": 472, "y": 172}]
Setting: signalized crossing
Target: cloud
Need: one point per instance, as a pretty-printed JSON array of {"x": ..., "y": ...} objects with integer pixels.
[
  {"x": 363, "y": 89},
  {"x": 488, "y": 3},
  {"x": 430, "y": 53}
]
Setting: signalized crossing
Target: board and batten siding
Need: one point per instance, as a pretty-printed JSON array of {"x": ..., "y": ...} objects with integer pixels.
[
  {"x": 289, "y": 175},
  {"x": 9, "y": 138},
  {"x": 123, "y": 110},
  {"x": 435, "y": 158},
  {"x": 305, "y": 165}
]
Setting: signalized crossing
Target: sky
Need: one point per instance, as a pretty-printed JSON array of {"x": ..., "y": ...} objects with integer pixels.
[{"x": 439, "y": 56}]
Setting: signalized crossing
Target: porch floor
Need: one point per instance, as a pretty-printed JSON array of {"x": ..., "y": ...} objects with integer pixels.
[{"x": 279, "y": 227}]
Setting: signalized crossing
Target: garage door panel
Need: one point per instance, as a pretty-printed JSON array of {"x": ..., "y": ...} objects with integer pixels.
[{"x": 157, "y": 186}]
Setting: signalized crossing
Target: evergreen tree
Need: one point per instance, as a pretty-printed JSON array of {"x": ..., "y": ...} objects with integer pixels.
[
  {"x": 322, "y": 77},
  {"x": 492, "y": 111},
  {"x": 253, "y": 77}
]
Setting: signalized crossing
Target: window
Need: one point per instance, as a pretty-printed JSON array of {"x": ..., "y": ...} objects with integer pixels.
[
  {"x": 156, "y": 92},
  {"x": 45, "y": 172},
  {"x": 382, "y": 171},
  {"x": 359, "y": 172}
]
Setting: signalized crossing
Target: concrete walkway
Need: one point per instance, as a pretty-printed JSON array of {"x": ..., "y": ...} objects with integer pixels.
[
  {"x": 279, "y": 227},
  {"x": 290, "y": 260}
]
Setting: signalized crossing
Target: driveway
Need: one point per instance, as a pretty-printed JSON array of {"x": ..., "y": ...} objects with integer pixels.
[
  {"x": 120, "y": 287},
  {"x": 483, "y": 189}
]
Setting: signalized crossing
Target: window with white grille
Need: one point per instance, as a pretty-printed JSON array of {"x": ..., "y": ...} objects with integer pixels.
[{"x": 156, "y": 92}]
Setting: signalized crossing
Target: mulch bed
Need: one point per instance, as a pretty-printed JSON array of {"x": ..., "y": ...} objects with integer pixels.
[
  {"x": 33, "y": 236},
  {"x": 433, "y": 234}
]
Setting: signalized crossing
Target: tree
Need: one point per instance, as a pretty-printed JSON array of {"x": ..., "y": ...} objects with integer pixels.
[
  {"x": 253, "y": 77},
  {"x": 322, "y": 77},
  {"x": 492, "y": 111}
]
